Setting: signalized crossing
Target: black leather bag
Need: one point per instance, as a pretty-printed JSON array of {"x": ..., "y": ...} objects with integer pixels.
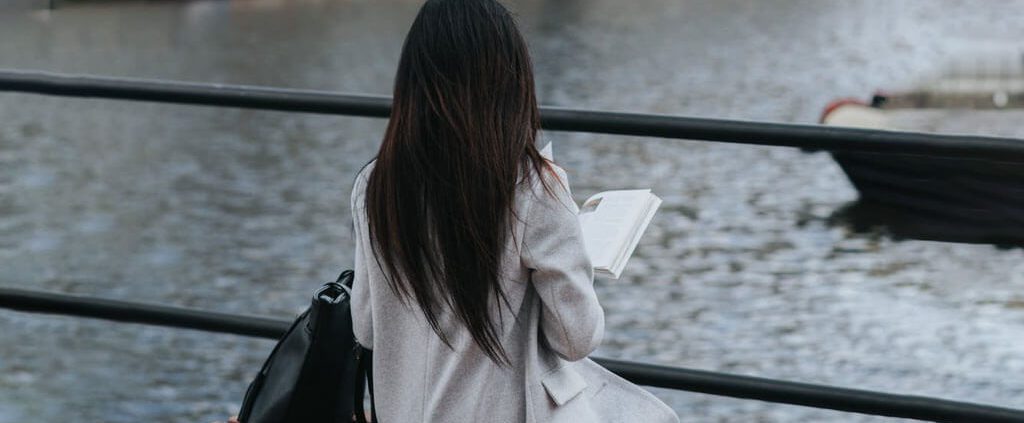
[{"x": 317, "y": 371}]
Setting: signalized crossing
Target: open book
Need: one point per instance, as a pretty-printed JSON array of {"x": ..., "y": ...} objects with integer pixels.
[{"x": 612, "y": 224}]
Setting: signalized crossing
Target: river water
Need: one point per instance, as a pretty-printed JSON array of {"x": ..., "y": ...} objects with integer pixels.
[{"x": 246, "y": 211}]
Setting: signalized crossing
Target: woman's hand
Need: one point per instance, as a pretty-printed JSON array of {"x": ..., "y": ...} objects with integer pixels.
[{"x": 233, "y": 420}]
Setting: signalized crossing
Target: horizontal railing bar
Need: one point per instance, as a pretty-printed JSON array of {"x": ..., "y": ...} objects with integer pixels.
[
  {"x": 203, "y": 94},
  {"x": 812, "y": 137},
  {"x": 144, "y": 313},
  {"x": 811, "y": 395}
]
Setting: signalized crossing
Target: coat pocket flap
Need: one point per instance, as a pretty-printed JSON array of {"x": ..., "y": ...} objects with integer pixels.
[{"x": 564, "y": 384}]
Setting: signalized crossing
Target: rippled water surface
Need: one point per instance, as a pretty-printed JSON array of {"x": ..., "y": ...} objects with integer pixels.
[{"x": 246, "y": 211}]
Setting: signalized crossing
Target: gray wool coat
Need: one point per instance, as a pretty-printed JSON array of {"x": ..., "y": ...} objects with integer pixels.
[{"x": 555, "y": 321}]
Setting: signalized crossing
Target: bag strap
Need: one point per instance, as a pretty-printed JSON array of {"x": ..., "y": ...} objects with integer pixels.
[
  {"x": 364, "y": 360},
  {"x": 364, "y": 365},
  {"x": 364, "y": 379},
  {"x": 369, "y": 379}
]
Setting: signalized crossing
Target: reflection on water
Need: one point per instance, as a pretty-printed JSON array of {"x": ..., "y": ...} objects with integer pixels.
[{"x": 246, "y": 211}]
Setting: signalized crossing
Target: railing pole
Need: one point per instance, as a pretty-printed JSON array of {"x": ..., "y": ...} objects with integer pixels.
[
  {"x": 819, "y": 396},
  {"x": 811, "y": 137}
]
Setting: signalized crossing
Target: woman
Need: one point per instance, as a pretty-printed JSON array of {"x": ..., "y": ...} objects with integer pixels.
[{"x": 472, "y": 285}]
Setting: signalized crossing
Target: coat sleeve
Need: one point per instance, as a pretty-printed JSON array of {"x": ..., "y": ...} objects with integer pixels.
[
  {"x": 572, "y": 320},
  {"x": 362, "y": 310}
]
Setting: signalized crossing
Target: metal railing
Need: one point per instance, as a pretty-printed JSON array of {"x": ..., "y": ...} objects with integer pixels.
[
  {"x": 812, "y": 137},
  {"x": 778, "y": 391}
]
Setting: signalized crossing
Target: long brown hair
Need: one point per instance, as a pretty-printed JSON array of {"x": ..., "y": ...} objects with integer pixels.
[{"x": 440, "y": 197}]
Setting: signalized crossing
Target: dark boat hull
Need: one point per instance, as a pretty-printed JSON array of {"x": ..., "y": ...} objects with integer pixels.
[{"x": 938, "y": 199}]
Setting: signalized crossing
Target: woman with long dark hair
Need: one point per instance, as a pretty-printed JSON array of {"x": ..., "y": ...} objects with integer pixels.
[{"x": 472, "y": 285}]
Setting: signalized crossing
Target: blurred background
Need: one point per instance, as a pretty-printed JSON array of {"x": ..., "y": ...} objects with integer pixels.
[{"x": 745, "y": 268}]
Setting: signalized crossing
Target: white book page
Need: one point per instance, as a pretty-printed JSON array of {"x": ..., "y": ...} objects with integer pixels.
[
  {"x": 651, "y": 207},
  {"x": 607, "y": 220},
  {"x": 612, "y": 223}
]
